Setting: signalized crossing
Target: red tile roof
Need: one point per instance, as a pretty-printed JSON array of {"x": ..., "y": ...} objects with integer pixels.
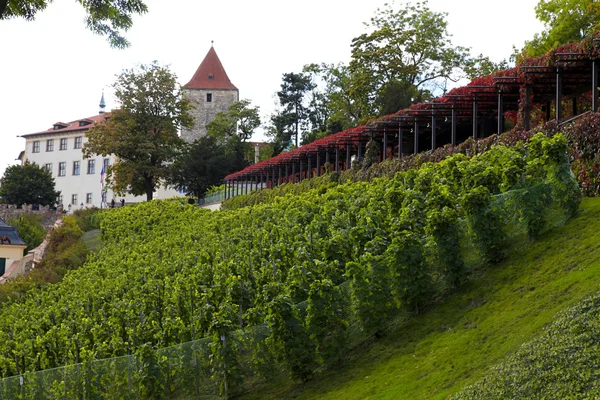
[
  {"x": 210, "y": 74},
  {"x": 73, "y": 126}
]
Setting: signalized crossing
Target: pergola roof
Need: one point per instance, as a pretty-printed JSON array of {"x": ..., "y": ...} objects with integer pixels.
[{"x": 571, "y": 61}]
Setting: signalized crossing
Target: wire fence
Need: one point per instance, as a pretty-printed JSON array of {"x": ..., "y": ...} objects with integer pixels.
[{"x": 193, "y": 370}]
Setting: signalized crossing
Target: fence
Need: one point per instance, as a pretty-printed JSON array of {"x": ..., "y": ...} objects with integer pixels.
[{"x": 198, "y": 369}]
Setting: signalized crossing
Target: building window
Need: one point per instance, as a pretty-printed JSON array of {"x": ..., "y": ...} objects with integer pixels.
[
  {"x": 103, "y": 197},
  {"x": 105, "y": 164},
  {"x": 91, "y": 166},
  {"x": 36, "y": 146},
  {"x": 77, "y": 142},
  {"x": 63, "y": 144},
  {"x": 76, "y": 167},
  {"x": 88, "y": 198},
  {"x": 60, "y": 199},
  {"x": 50, "y": 145},
  {"x": 208, "y": 97},
  {"x": 62, "y": 168},
  {"x": 74, "y": 199},
  {"x": 48, "y": 167}
]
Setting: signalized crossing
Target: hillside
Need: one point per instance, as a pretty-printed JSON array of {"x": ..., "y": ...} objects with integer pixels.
[
  {"x": 456, "y": 343},
  {"x": 181, "y": 301}
]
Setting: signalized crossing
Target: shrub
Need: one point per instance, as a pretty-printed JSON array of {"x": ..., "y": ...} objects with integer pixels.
[{"x": 30, "y": 229}]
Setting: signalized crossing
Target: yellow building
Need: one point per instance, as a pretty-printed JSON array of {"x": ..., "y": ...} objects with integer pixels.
[{"x": 11, "y": 251}]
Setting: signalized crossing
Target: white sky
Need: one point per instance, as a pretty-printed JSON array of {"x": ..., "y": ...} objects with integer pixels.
[{"x": 53, "y": 69}]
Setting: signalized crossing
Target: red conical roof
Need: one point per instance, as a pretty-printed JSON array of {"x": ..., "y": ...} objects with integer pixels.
[{"x": 210, "y": 74}]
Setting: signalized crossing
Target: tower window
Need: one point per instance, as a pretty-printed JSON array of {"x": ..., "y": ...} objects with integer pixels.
[{"x": 208, "y": 97}]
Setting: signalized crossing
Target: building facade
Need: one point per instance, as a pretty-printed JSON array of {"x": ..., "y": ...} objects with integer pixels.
[
  {"x": 210, "y": 92},
  {"x": 79, "y": 180}
]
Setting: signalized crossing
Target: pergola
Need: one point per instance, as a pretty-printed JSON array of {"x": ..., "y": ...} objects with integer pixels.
[{"x": 476, "y": 110}]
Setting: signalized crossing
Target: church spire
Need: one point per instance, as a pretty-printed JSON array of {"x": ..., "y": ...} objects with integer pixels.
[{"x": 102, "y": 104}]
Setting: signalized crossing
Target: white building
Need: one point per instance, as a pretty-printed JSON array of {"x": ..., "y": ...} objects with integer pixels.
[
  {"x": 79, "y": 180},
  {"x": 59, "y": 149}
]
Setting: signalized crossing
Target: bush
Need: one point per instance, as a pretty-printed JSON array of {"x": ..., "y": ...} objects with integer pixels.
[{"x": 30, "y": 229}]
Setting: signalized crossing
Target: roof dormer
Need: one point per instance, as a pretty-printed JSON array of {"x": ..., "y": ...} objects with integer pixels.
[{"x": 59, "y": 125}]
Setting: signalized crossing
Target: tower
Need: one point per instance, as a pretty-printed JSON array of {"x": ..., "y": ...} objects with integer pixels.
[{"x": 210, "y": 92}]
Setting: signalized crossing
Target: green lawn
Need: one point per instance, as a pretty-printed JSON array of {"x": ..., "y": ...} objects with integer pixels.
[{"x": 454, "y": 343}]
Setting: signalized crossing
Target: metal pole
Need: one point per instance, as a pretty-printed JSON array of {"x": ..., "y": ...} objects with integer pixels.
[
  {"x": 293, "y": 172},
  {"x": 416, "y": 141},
  {"x": 308, "y": 173},
  {"x": 558, "y": 95},
  {"x": 337, "y": 159},
  {"x": 594, "y": 87},
  {"x": 384, "y": 143},
  {"x": 453, "y": 129},
  {"x": 279, "y": 176},
  {"x": 475, "y": 117},
  {"x": 287, "y": 173},
  {"x": 527, "y": 108},
  {"x": 500, "y": 113},
  {"x": 433, "y": 130},
  {"x": 347, "y": 156},
  {"x": 300, "y": 176},
  {"x": 400, "y": 139},
  {"x": 318, "y": 163},
  {"x": 359, "y": 152}
]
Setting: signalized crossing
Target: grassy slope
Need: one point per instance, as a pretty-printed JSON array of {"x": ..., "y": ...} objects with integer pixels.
[{"x": 453, "y": 344}]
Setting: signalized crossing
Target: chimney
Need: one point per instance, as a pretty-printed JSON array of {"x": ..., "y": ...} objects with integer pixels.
[{"x": 256, "y": 153}]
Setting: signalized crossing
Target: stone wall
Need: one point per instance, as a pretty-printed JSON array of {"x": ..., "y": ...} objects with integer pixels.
[
  {"x": 49, "y": 216},
  {"x": 203, "y": 111}
]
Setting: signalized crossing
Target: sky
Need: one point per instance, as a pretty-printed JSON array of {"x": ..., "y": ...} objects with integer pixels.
[{"x": 53, "y": 69}]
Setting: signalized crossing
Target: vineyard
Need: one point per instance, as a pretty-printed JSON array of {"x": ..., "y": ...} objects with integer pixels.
[{"x": 233, "y": 297}]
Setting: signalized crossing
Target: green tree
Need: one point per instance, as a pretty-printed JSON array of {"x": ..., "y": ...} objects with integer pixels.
[
  {"x": 28, "y": 184},
  {"x": 482, "y": 66},
  {"x": 30, "y": 229},
  {"x": 294, "y": 88},
  {"x": 206, "y": 162},
  {"x": 564, "y": 21},
  {"x": 143, "y": 132},
  {"x": 280, "y": 130},
  {"x": 241, "y": 119},
  {"x": 108, "y": 18},
  {"x": 406, "y": 47}
]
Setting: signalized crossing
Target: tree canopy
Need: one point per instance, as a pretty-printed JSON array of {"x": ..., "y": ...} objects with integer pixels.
[
  {"x": 564, "y": 21},
  {"x": 28, "y": 184},
  {"x": 241, "y": 119},
  {"x": 404, "y": 56},
  {"x": 143, "y": 133},
  {"x": 206, "y": 162},
  {"x": 108, "y": 18}
]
